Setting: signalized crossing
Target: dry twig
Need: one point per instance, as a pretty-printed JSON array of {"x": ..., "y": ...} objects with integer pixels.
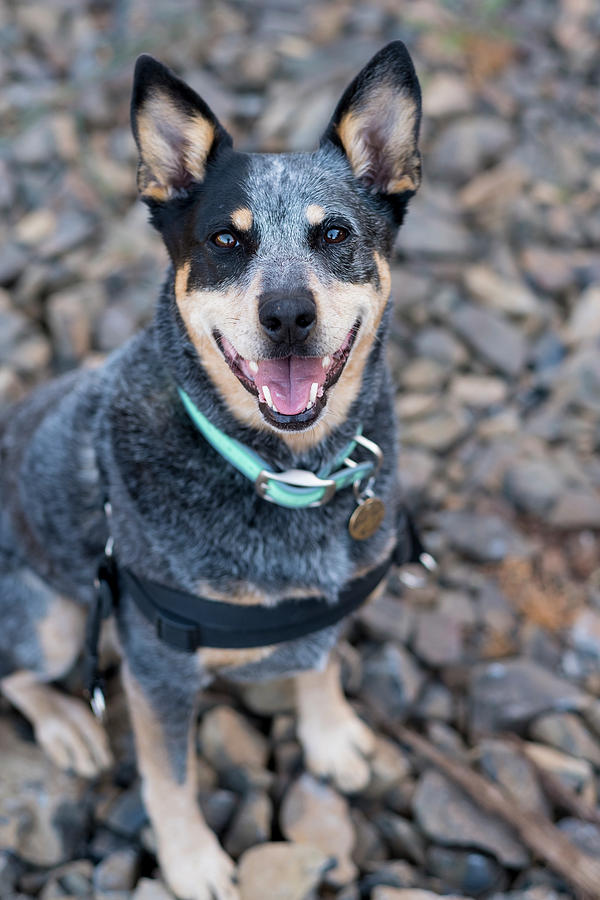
[{"x": 542, "y": 837}]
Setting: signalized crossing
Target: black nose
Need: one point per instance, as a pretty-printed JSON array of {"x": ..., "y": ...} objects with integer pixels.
[{"x": 287, "y": 320}]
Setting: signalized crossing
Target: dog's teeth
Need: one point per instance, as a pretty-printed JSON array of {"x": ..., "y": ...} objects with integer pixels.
[
  {"x": 313, "y": 393},
  {"x": 253, "y": 366},
  {"x": 321, "y": 391},
  {"x": 267, "y": 395},
  {"x": 326, "y": 362}
]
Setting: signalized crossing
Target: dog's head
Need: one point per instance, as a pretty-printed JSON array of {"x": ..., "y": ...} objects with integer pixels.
[{"x": 281, "y": 273}]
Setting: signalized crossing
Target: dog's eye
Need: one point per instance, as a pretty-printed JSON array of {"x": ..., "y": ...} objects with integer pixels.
[
  {"x": 225, "y": 239},
  {"x": 335, "y": 235}
]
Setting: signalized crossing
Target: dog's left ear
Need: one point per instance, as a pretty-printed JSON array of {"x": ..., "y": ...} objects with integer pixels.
[
  {"x": 376, "y": 123},
  {"x": 174, "y": 129}
]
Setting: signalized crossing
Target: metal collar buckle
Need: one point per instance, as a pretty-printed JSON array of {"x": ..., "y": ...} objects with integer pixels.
[{"x": 296, "y": 478}]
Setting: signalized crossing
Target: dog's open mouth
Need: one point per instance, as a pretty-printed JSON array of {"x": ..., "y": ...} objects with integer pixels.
[{"x": 291, "y": 391}]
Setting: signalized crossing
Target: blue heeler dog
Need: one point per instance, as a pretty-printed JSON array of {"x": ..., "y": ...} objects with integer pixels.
[{"x": 265, "y": 363}]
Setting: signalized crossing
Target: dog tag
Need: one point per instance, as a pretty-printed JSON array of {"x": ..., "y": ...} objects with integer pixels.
[{"x": 366, "y": 518}]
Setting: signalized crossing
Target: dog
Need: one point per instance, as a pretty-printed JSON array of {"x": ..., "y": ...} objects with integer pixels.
[{"x": 267, "y": 350}]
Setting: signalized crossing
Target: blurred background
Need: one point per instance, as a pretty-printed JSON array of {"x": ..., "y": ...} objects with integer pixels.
[{"x": 495, "y": 351}]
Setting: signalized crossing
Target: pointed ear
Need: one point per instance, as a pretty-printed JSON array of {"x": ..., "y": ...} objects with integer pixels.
[
  {"x": 174, "y": 129},
  {"x": 376, "y": 123}
]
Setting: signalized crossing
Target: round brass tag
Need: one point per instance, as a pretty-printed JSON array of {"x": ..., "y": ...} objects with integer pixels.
[{"x": 366, "y": 518}]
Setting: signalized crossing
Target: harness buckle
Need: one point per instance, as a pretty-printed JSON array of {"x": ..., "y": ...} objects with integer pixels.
[{"x": 296, "y": 478}]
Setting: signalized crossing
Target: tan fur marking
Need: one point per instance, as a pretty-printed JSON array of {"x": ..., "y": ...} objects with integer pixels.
[
  {"x": 315, "y": 213},
  {"x": 191, "y": 859},
  {"x": 242, "y": 218},
  {"x": 244, "y": 595},
  {"x": 181, "y": 281},
  {"x": 60, "y": 634},
  {"x": 335, "y": 741},
  {"x": 160, "y": 125},
  {"x": 235, "y": 314},
  {"x": 394, "y": 115}
]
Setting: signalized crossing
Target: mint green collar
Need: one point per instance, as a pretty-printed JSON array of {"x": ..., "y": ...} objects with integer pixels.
[{"x": 294, "y": 488}]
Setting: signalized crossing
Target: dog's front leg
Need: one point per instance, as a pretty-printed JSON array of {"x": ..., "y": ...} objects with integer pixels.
[
  {"x": 336, "y": 742},
  {"x": 193, "y": 863}
]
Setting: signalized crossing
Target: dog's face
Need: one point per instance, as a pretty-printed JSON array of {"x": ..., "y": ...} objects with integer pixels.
[{"x": 281, "y": 273}]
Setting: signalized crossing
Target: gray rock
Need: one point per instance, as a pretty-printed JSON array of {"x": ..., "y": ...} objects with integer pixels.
[
  {"x": 117, "y": 872},
  {"x": 479, "y": 391},
  {"x": 438, "y": 432},
  {"x": 392, "y": 679},
  {"x": 441, "y": 345},
  {"x": 13, "y": 260},
  {"x": 584, "y": 835},
  {"x": 127, "y": 814},
  {"x": 416, "y": 468},
  {"x": 585, "y": 633},
  {"x": 483, "y": 538},
  {"x": 566, "y": 732},
  {"x": 251, "y": 824},
  {"x": 10, "y": 869},
  {"x": 498, "y": 342},
  {"x": 511, "y": 693},
  {"x": 577, "y": 775},
  {"x": 584, "y": 323},
  {"x": 504, "y": 295},
  {"x": 468, "y": 145},
  {"x": 217, "y": 807},
  {"x": 69, "y": 326},
  {"x": 73, "y": 229},
  {"x": 576, "y": 508},
  {"x": 533, "y": 485},
  {"x": 435, "y": 230},
  {"x": 403, "y": 839},
  {"x": 449, "y": 817},
  {"x": 465, "y": 871},
  {"x": 436, "y": 703},
  {"x": 151, "y": 889},
  {"x": 291, "y": 871},
  {"x": 438, "y": 639},
  {"x": 500, "y": 761},
  {"x": 386, "y": 617}
]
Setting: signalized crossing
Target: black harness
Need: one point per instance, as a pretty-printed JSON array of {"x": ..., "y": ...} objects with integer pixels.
[{"x": 187, "y": 622}]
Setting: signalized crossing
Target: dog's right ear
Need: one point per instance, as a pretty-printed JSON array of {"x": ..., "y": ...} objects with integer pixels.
[{"x": 174, "y": 129}]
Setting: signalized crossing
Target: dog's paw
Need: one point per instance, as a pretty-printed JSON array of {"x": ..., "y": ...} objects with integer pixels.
[
  {"x": 340, "y": 750},
  {"x": 70, "y": 735},
  {"x": 198, "y": 869}
]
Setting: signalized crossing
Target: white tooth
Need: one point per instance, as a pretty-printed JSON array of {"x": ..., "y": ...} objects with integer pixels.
[
  {"x": 253, "y": 366},
  {"x": 326, "y": 362},
  {"x": 320, "y": 392},
  {"x": 268, "y": 397},
  {"x": 310, "y": 404},
  {"x": 313, "y": 393}
]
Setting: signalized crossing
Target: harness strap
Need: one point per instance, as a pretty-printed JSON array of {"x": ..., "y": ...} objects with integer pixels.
[{"x": 187, "y": 622}]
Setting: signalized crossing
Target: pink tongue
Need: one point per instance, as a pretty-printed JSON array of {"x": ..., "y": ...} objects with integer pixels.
[{"x": 289, "y": 381}]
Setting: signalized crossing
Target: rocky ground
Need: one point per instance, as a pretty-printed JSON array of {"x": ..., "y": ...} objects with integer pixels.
[{"x": 496, "y": 658}]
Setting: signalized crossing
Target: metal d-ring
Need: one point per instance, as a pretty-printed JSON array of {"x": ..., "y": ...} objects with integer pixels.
[{"x": 296, "y": 478}]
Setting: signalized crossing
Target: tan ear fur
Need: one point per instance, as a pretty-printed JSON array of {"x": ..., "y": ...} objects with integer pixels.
[
  {"x": 174, "y": 146},
  {"x": 379, "y": 135}
]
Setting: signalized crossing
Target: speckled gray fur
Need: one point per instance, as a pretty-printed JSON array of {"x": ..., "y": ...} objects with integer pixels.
[{"x": 180, "y": 513}]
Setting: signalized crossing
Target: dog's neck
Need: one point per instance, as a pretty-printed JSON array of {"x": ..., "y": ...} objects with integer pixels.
[{"x": 181, "y": 360}]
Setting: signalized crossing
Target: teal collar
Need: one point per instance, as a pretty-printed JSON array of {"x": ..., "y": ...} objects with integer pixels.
[{"x": 294, "y": 488}]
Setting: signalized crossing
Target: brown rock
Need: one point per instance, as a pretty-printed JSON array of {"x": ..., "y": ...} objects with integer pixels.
[
  {"x": 280, "y": 871},
  {"x": 313, "y": 813}
]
